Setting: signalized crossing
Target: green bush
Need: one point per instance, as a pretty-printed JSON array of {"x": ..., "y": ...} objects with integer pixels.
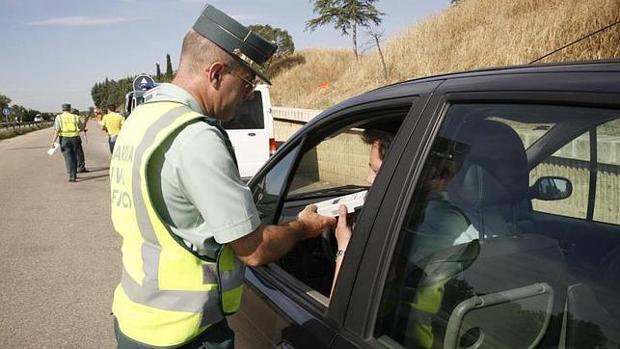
[{"x": 10, "y": 132}]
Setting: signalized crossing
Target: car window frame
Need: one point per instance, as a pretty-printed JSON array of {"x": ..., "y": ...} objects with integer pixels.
[
  {"x": 272, "y": 273},
  {"x": 360, "y": 320}
]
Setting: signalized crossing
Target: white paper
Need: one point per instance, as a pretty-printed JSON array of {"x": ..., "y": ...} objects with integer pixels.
[
  {"x": 51, "y": 150},
  {"x": 352, "y": 201}
]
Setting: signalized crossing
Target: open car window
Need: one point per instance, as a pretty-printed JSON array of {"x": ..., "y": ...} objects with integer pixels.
[
  {"x": 330, "y": 167},
  {"x": 330, "y": 162}
]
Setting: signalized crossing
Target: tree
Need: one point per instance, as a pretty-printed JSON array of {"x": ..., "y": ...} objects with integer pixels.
[
  {"x": 169, "y": 72},
  {"x": 279, "y": 36},
  {"x": 377, "y": 36},
  {"x": 346, "y": 15},
  {"x": 111, "y": 92},
  {"x": 17, "y": 112},
  {"x": 4, "y": 102},
  {"x": 158, "y": 74}
]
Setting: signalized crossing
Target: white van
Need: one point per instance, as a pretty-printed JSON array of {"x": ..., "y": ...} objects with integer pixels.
[{"x": 251, "y": 132}]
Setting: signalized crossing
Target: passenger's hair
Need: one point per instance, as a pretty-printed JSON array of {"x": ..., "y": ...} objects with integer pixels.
[
  {"x": 111, "y": 108},
  {"x": 198, "y": 52},
  {"x": 370, "y": 136},
  {"x": 446, "y": 158}
]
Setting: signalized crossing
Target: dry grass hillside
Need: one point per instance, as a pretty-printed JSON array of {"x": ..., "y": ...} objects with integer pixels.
[{"x": 474, "y": 34}]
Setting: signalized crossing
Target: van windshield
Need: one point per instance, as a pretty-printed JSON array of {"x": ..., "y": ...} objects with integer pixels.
[{"x": 249, "y": 115}]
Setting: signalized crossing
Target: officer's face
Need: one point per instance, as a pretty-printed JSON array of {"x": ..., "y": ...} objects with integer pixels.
[{"x": 237, "y": 86}]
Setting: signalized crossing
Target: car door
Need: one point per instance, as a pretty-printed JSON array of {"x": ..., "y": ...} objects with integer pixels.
[
  {"x": 326, "y": 160},
  {"x": 486, "y": 271}
]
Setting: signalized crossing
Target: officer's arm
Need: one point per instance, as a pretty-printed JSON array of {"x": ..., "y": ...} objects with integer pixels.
[
  {"x": 56, "y": 132},
  {"x": 269, "y": 243}
]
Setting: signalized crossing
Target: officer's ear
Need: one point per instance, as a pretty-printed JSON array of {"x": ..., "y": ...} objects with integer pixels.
[{"x": 215, "y": 73}]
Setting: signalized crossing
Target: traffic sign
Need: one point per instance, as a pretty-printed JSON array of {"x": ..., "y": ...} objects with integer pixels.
[
  {"x": 6, "y": 111},
  {"x": 143, "y": 82}
]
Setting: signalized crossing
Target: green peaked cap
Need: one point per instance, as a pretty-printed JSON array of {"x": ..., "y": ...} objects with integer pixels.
[{"x": 248, "y": 47}]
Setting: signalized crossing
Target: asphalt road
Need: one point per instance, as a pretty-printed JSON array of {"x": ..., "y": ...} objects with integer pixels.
[{"x": 59, "y": 256}]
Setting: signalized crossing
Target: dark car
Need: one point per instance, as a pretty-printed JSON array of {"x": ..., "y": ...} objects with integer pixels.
[{"x": 521, "y": 248}]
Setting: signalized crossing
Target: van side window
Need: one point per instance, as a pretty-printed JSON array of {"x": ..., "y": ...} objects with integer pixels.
[{"x": 249, "y": 115}]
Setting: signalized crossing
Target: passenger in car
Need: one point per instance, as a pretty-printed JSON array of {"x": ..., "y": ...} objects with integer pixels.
[{"x": 440, "y": 224}]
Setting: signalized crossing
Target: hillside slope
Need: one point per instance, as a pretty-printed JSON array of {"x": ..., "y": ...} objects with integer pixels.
[{"x": 474, "y": 34}]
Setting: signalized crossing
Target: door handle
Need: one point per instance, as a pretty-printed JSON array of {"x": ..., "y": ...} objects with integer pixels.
[
  {"x": 285, "y": 345},
  {"x": 251, "y": 134}
]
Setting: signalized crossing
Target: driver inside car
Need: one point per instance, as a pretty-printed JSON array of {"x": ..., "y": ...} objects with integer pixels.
[{"x": 379, "y": 142}]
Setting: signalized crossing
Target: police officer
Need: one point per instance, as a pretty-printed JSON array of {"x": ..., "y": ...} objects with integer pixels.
[
  {"x": 81, "y": 161},
  {"x": 67, "y": 127},
  {"x": 188, "y": 223}
]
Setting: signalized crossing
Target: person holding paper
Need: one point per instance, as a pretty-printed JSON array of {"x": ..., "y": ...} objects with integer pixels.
[{"x": 67, "y": 128}]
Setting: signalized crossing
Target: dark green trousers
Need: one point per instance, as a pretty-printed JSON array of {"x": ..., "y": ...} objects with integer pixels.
[
  {"x": 218, "y": 336},
  {"x": 79, "y": 153},
  {"x": 69, "y": 148}
]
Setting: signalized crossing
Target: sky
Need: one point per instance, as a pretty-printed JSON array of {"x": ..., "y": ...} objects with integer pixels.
[{"x": 53, "y": 52}]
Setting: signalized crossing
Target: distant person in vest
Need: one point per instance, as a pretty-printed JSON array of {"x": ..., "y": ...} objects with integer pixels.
[
  {"x": 188, "y": 222},
  {"x": 112, "y": 123},
  {"x": 81, "y": 161},
  {"x": 67, "y": 128}
]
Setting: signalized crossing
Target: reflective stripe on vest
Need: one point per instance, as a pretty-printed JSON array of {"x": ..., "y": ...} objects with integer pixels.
[
  {"x": 69, "y": 125},
  {"x": 167, "y": 295}
]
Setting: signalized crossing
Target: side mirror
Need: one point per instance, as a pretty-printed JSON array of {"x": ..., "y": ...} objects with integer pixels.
[{"x": 551, "y": 188}]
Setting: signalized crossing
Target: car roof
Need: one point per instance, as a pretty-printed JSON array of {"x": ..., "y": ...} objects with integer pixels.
[{"x": 427, "y": 84}]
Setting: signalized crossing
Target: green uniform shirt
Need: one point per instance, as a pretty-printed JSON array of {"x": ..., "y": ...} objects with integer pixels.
[{"x": 195, "y": 183}]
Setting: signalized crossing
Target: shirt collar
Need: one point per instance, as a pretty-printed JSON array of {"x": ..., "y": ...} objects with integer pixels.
[{"x": 171, "y": 92}]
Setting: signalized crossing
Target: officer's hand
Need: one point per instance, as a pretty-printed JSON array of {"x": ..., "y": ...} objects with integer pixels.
[
  {"x": 313, "y": 222},
  {"x": 343, "y": 230}
]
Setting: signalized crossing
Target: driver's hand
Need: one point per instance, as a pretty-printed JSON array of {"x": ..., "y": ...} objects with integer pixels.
[
  {"x": 313, "y": 222},
  {"x": 343, "y": 229}
]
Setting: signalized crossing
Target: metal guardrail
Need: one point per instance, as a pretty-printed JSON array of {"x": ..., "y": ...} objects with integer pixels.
[{"x": 16, "y": 125}]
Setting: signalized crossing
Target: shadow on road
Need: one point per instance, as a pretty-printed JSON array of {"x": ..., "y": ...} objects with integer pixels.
[
  {"x": 82, "y": 179},
  {"x": 27, "y": 148},
  {"x": 97, "y": 169}
]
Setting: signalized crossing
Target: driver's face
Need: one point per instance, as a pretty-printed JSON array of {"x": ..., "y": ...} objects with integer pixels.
[{"x": 374, "y": 162}]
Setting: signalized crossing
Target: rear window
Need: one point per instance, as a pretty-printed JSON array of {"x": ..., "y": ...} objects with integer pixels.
[{"x": 249, "y": 115}]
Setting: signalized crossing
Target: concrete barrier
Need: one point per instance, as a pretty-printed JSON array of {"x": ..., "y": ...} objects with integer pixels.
[{"x": 288, "y": 120}]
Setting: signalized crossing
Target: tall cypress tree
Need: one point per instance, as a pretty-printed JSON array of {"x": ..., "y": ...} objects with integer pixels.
[
  {"x": 158, "y": 74},
  {"x": 169, "y": 72}
]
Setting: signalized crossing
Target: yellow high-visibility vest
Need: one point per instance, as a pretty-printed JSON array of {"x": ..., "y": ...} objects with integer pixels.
[
  {"x": 168, "y": 294},
  {"x": 69, "y": 125}
]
